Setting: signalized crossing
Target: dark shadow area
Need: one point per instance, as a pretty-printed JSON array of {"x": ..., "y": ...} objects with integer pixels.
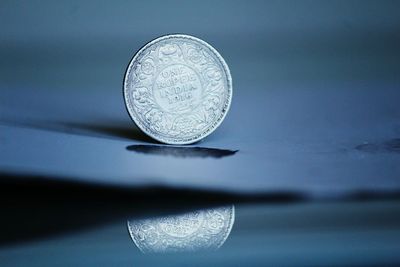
[
  {"x": 391, "y": 146},
  {"x": 36, "y": 207},
  {"x": 129, "y": 132},
  {"x": 106, "y": 130},
  {"x": 182, "y": 152}
]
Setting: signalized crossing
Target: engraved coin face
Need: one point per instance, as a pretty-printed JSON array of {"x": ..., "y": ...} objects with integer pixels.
[
  {"x": 177, "y": 89},
  {"x": 199, "y": 230}
]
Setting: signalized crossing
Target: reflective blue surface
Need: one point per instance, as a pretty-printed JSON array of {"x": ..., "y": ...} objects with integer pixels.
[{"x": 329, "y": 234}]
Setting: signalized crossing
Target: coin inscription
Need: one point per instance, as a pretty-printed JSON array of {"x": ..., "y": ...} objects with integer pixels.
[{"x": 177, "y": 89}]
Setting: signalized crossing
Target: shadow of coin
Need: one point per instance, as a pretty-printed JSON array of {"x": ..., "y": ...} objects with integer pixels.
[
  {"x": 182, "y": 152},
  {"x": 387, "y": 146}
]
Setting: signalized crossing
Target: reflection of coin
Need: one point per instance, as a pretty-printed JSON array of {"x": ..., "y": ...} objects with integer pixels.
[
  {"x": 198, "y": 230},
  {"x": 177, "y": 89},
  {"x": 181, "y": 226}
]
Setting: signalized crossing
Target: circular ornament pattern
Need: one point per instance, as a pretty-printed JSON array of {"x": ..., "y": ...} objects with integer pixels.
[{"x": 177, "y": 89}]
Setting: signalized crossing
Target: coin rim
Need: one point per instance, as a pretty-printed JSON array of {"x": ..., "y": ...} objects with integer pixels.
[{"x": 227, "y": 102}]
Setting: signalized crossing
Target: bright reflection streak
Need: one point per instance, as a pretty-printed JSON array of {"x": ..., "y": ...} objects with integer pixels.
[{"x": 198, "y": 230}]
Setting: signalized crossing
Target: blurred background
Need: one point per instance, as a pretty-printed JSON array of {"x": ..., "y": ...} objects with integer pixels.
[{"x": 86, "y": 45}]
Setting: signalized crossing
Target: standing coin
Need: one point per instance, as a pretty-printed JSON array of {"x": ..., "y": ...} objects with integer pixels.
[{"x": 177, "y": 89}]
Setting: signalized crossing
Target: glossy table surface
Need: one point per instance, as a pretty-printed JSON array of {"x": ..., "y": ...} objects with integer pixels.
[
  {"x": 265, "y": 234},
  {"x": 317, "y": 142}
]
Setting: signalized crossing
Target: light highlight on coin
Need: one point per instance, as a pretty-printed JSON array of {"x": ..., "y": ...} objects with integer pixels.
[
  {"x": 198, "y": 230},
  {"x": 177, "y": 89}
]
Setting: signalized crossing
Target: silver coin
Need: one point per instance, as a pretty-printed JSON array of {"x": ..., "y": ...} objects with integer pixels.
[
  {"x": 198, "y": 230},
  {"x": 177, "y": 89}
]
